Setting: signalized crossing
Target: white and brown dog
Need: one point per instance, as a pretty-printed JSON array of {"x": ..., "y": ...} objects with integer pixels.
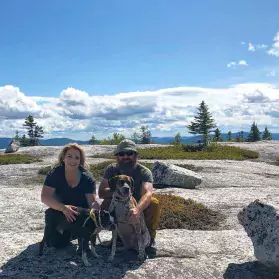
[{"x": 134, "y": 236}]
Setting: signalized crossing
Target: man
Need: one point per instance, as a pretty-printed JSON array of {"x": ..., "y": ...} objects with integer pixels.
[{"x": 127, "y": 163}]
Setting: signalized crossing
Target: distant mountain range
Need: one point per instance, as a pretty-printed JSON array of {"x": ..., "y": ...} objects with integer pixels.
[{"x": 160, "y": 140}]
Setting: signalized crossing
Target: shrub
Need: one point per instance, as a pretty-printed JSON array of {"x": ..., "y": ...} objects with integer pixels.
[
  {"x": 211, "y": 152},
  {"x": 179, "y": 213},
  {"x": 17, "y": 159},
  {"x": 99, "y": 169},
  {"x": 45, "y": 170},
  {"x": 193, "y": 147}
]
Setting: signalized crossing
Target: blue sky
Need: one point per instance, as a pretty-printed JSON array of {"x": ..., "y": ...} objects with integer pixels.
[{"x": 110, "y": 47}]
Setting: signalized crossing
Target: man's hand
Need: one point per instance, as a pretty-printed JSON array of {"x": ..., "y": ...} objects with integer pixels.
[
  {"x": 134, "y": 215},
  {"x": 70, "y": 212}
]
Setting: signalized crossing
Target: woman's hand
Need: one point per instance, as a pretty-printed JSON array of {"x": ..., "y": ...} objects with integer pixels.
[{"x": 70, "y": 212}]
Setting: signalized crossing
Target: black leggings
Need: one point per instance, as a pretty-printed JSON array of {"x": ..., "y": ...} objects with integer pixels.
[{"x": 53, "y": 237}]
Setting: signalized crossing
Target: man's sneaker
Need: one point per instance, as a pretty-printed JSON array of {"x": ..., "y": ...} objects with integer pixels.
[{"x": 151, "y": 250}]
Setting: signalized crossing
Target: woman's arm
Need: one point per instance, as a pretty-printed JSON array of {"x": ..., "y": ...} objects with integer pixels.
[{"x": 47, "y": 197}]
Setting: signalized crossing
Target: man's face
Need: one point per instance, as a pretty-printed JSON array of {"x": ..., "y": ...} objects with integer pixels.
[{"x": 127, "y": 159}]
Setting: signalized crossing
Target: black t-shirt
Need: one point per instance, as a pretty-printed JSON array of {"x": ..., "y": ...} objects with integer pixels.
[{"x": 74, "y": 196}]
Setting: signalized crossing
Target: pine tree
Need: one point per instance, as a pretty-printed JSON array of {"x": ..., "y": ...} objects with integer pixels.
[
  {"x": 217, "y": 136},
  {"x": 203, "y": 123},
  {"x": 17, "y": 137},
  {"x": 92, "y": 141},
  {"x": 266, "y": 134},
  {"x": 145, "y": 135},
  {"x": 38, "y": 133},
  {"x": 177, "y": 139},
  {"x": 24, "y": 141},
  {"x": 30, "y": 124},
  {"x": 229, "y": 135},
  {"x": 254, "y": 134}
]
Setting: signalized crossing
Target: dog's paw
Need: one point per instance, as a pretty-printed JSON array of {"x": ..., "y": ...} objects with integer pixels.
[
  {"x": 142, "y": 257},
  {"x": 94, "y": 254},
  {"x": 110, "y": 258}
]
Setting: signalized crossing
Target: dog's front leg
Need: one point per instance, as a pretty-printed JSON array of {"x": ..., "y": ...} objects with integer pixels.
[
  {"x": 113, "y": 247},
  {"x": 93, "y": 244},
  {"x": 84, "y": 245},
  {"x": 141, "y": 255}
]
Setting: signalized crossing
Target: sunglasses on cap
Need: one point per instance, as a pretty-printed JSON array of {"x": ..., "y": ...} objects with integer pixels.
[{"x": 128, "y": 153}]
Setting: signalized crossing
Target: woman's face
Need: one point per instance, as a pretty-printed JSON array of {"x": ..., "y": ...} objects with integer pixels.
[{"x": 72, "y": 159}]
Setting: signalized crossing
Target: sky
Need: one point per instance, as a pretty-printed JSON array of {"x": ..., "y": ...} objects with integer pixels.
[{"x": 96, "y": 67}]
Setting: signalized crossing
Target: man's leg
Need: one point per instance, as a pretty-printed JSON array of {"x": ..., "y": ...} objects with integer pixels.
[
  {"x": 152, "y": 217},
  {"x": 53, "y": 237}
]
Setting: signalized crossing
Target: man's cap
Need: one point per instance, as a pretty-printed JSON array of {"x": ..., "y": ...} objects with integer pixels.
[{"x": 125, "y": 145}]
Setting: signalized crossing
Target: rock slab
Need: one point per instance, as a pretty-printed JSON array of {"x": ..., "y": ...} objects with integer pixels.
[{"x": 174, "y": 176}]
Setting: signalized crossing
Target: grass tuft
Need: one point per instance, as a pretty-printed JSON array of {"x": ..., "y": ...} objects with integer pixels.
[{"x": 17, "y": 159}]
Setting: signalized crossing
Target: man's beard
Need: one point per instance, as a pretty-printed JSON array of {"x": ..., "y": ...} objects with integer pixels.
[{"x": 126, "y": 166}]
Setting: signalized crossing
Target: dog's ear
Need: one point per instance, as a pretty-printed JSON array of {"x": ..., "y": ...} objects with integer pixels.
[
  {"x": 112, "y": 183},
  {"x": 132, "y": 184}
]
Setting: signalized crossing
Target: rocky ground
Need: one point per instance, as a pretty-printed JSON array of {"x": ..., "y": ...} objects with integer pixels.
[{"x": 227, "y": 253}]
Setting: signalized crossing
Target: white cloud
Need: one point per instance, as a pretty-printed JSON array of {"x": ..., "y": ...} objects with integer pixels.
[
  {"x": 233, "y": 64},
  {"x": 251, "y": 47},
  {"x": 167, "y": 111},
  {"x": 274, "y": 50},
  {"x": 271, "y": 74}
]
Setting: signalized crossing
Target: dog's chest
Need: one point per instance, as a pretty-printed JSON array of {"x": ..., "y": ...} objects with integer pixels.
[{"x": 122, "y": 209}]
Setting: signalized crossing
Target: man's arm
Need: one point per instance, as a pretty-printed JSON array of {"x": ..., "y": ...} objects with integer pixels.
[
  {"x": 104, "y": 190},
  {"x": 146, "y": 194}
]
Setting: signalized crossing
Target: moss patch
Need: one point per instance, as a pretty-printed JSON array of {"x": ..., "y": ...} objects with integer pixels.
[
  {"x": 179, "y": 213},
  {"x": 17, "y": 159}
]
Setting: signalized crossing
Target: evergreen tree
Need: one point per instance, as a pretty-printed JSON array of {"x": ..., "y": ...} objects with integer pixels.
[
  {"x": 177, "y": 139},
  {"x": 203, "y": 123},
  {"x": 34, "y": 131},
  {"x": 266, "y": 134},
  {"x": 30, "y": 124},
  {"x": 135, "y": 137},
  {"x": 24, "y": 141},
  {"x": 92, "y": 141},
  {"x": 241, "y": 136},
  {"x": 229, "y": 135},
  {"x": 217, "y": 135},
  {"x": 17, "y": 137},
  {"x": 254, "y": 134},
  {"x": 145, "y": 135},
  {"x": 38, "y": 133}
]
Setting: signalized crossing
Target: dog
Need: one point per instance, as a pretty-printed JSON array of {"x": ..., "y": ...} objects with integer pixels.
[
  {"x": 86, "y": 228},
  {"x": 134, "y": 236}
]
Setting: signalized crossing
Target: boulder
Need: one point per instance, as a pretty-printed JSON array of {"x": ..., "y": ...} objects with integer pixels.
[
  {"x": 261, "y": 223},
  {"x": 13, "y": 146},
  {"x": 174, "y": 176}
]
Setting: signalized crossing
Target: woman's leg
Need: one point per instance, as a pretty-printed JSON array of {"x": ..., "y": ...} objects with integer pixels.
[{"x": 53, "y": 238}]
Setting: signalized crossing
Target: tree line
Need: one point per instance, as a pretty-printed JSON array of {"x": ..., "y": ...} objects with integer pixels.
[{"x": 203, "y": 124}]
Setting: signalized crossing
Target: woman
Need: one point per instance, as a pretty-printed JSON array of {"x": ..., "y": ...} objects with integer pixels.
[{"x": 68, "y": 186}]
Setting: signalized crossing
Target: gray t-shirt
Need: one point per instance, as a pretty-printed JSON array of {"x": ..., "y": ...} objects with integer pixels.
[{"x": 140, "y": 174}]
